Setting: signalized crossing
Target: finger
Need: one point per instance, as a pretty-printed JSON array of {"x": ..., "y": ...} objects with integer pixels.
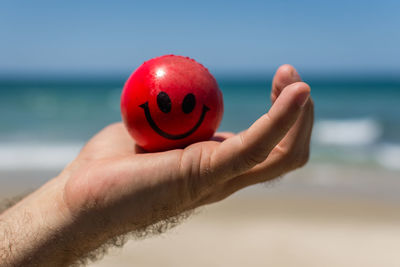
[
  {"x": 251, "y": 177},
  {"x": 299, "y": 136},
  {"x": 266, "y": 171},
  {"x": 273, "y": 167},
  {"x": 292, "y": 154},
  {"x": 284, "y": 76},
  {"x": 241, "y": 152}
]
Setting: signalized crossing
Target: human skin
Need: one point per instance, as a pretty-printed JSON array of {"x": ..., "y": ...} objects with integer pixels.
[{"x": 113, "y": 187}]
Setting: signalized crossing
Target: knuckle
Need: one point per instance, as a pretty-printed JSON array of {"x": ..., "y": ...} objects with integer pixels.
[
  {"x": 284, "y": 153},
  {"x": 294, "y": 159},
  {"x": 300, "y": 159}
]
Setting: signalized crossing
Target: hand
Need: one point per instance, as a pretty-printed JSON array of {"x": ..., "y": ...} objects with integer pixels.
[{"x": 113, "y": 187}]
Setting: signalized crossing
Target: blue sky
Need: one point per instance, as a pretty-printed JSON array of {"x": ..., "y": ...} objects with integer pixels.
[{"x": 230, "y": 37}]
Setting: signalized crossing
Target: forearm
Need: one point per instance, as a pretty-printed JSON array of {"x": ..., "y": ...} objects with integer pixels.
[
  {"x": 34, "y": 232},
  {"x": 42, "y": 230}
]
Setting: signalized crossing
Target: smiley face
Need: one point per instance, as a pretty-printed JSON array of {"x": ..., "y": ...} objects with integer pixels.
[
  {"x": 164, "y": 104},
  {"x": 170, "y": 102}
]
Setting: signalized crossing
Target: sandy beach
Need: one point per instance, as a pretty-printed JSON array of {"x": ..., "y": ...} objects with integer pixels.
[
  {"x": 294, "y": 222},
  {"x": 322, "y": 215},
  {"x": 273, "y": 232}
]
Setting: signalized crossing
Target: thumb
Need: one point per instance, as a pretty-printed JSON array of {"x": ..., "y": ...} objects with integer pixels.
[{"x": 243, "y": 151}]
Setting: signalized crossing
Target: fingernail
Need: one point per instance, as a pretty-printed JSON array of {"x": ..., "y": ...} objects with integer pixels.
[
  {"x": 302, "y": 98},
  {"x": 295, "y": 75}
]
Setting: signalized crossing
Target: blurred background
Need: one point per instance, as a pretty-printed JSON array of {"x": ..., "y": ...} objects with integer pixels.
[{"x": 63, "y": 66}]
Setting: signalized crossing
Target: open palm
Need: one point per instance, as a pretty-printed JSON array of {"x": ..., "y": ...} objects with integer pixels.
[{"x": 125, "y": 188}]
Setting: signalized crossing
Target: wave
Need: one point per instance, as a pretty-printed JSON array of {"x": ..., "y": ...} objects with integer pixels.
[
  {"x": 349, "y": 132},
  {"x": 42, "y": 156},
  {"x": 55, "y": 156}
]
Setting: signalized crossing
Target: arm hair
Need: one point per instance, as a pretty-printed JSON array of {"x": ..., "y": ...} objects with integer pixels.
[{"x": 157, "y": 228}]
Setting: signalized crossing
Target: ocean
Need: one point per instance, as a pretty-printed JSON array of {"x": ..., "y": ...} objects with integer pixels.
[{"x": 44, "y": 123}]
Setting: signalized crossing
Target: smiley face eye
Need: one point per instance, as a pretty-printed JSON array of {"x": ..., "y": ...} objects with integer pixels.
[
  {"x": 164, "y": 102},
  {"x": 188, "y": 103}
]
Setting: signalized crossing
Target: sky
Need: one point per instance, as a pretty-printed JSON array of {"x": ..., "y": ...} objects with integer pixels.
[{"x": 229, "y": 37}]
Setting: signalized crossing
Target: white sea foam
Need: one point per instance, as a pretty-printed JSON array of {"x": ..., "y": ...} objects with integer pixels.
[
  {"x": 349, "y": 132},
  {"x": 388, "y": 155},
  {"x": 22, "y": 156}
]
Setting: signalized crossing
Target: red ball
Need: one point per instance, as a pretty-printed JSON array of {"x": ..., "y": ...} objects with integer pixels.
[{"x": 170, "y": 102}]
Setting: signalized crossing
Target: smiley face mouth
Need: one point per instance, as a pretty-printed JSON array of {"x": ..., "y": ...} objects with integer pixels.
[{"x": 157, "y": 129}]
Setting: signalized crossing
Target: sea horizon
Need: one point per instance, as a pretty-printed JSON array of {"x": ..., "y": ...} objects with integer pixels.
[{"x": 357, "y": 118}]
